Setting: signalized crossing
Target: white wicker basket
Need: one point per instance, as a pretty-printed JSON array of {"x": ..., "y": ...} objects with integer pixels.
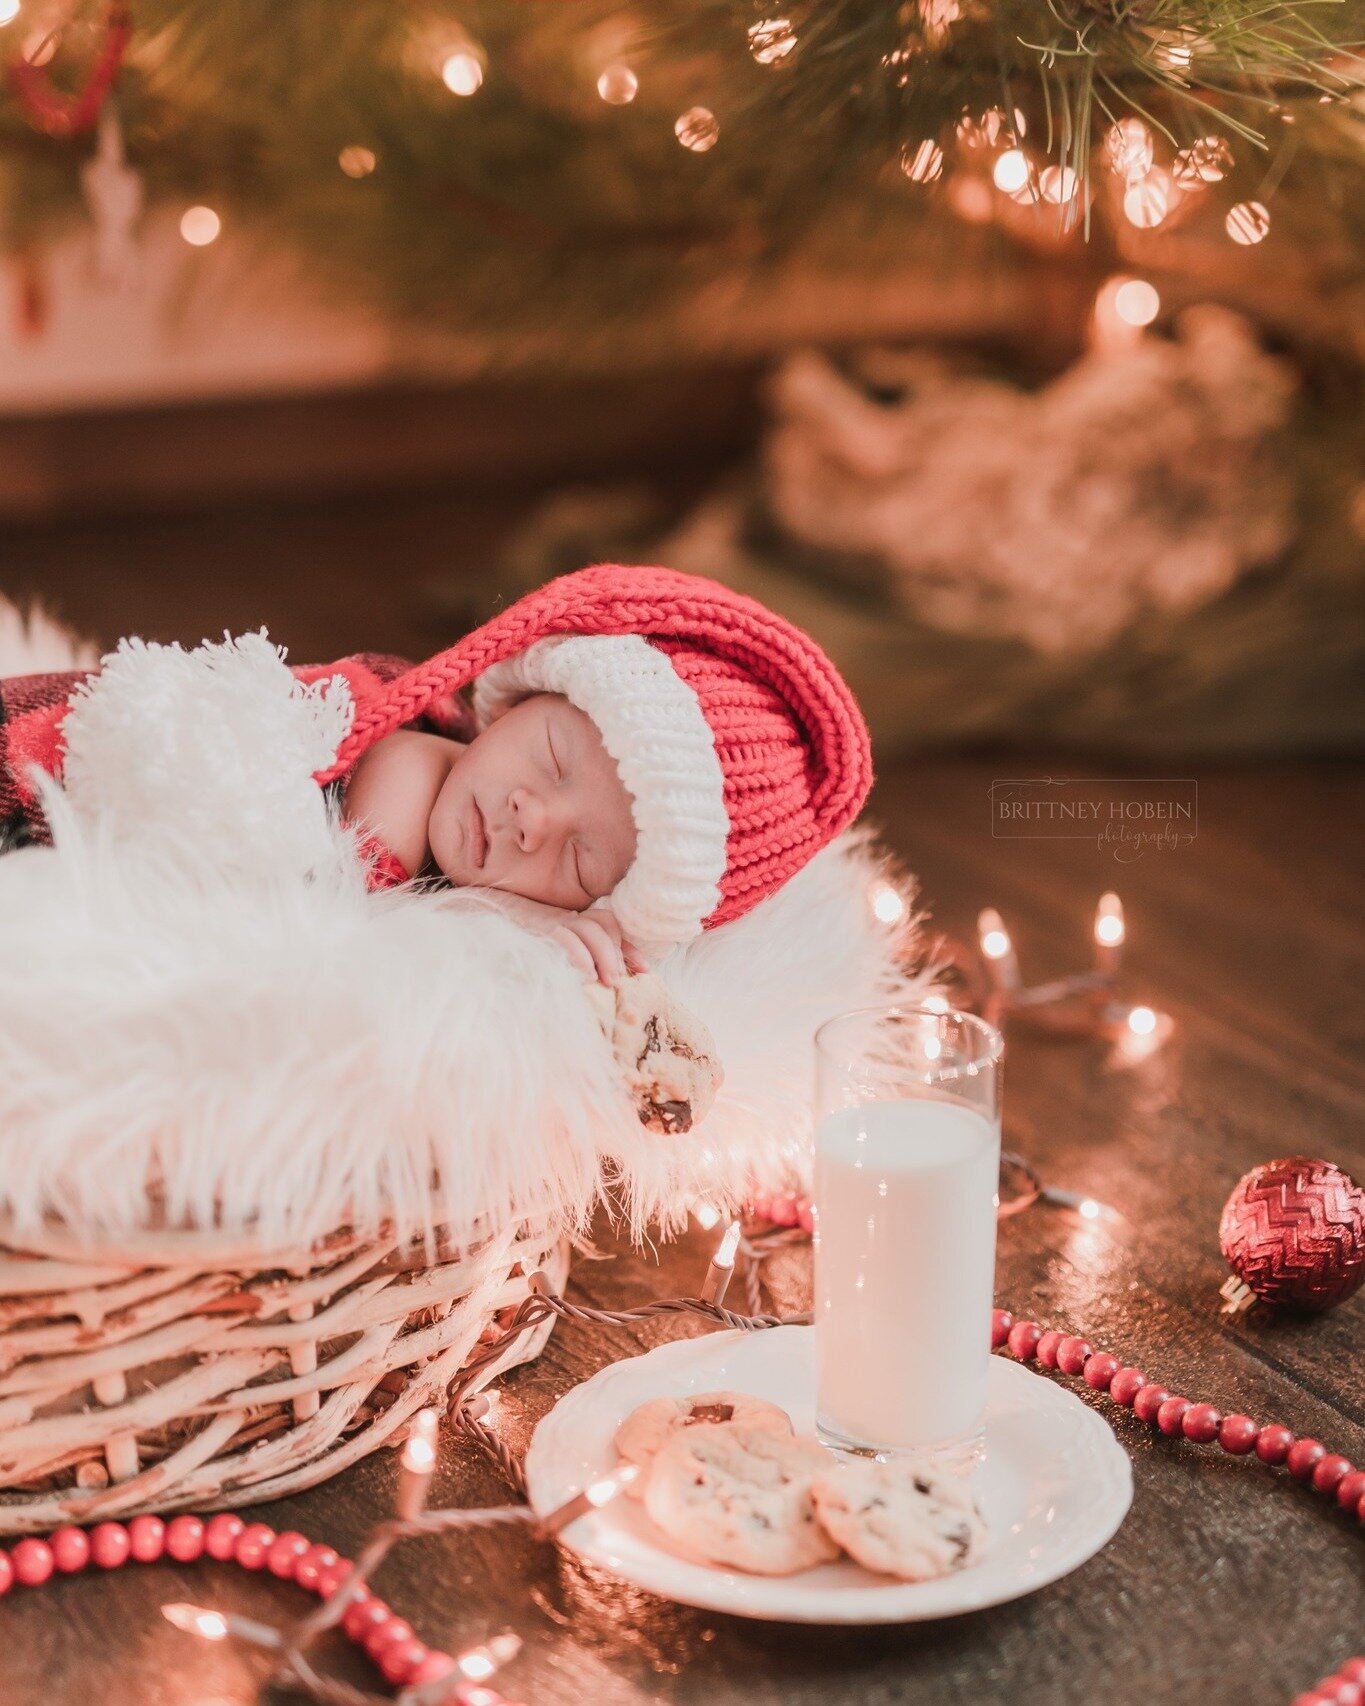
[{"x": 188, "y": 1370}]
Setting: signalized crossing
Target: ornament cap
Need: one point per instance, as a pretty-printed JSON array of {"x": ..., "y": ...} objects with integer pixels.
[{"x": 1240, "y": 1298}]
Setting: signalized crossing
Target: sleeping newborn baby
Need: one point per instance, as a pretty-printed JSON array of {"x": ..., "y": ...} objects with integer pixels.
[
  {"x": 643, "y": 754},
  {"x": 533, "y": 807}
]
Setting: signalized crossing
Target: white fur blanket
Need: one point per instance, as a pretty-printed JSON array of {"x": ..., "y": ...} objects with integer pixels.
[{"x": 197, "y": 994}]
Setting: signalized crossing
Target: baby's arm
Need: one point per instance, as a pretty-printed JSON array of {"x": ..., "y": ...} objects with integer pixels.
[
  {"x": 593, "y": 940},
  {"x": 392, "y": 787}
]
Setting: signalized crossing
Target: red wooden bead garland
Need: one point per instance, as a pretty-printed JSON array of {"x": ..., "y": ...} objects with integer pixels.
[
  {"x": 1237, "y": 1434},
  {"x": 1304, "y": 1457},
  {"x": 400, "y": 1656},
  {"x": 1350, "y": 1488},
  {"x": 70, "y": 1549},
  {"x": 32, "y": 1561},
  {"x": 1126, "y": 1385},
  {"x": 1147, "y": 1404},
  {"x": 253, "y": 1543},
  {"x": 146, "y": 1538},
  {"x": 109, "y": 1545},
  {"x": 1328, "y": 1473},
  {"x": 1202, "y": 1424},
  {"x": 1273, "y": 1445},
  {"x": 221, "y": 1535}
]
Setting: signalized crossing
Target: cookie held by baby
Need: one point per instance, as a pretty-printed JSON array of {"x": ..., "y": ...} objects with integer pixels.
[
  {"x": 665, "y": 1054},
  {"x": 725, "y": 1478}
]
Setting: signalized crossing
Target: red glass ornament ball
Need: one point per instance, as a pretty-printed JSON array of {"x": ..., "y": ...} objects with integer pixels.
[
  {"x": 1023, "y": 1339},
  {"x": 1100, "y": 1370},
  {"x": 70, "y": 1550},
  {"x": 1304, "y": 1457},
  {"x": 1001, "y": 1322},
  {"x": 222, "y": 1534},
  {"x": 397, "y": 1662},
  {"x": 6, "y": 1573},
  {"x": 1294, "y": 1231},
  {"x": 1048, "y": 1346},
  {"x": 185, "y": 1539},
  {"x": 1170, "y": 1417},
  {"x": 32, "y": 1563},
  {"x": 1274, "y": 1442},
  {"x": 253, "y": 1544},
  {"x": 146, "y": 1539},
  {"x": 285, "y": 1550},
  {"x": 1126, "y": 1385},
  {"x": 1237, "y": 1434},
  {"x": 1353, "y": 1670},
  {"x": 1072, "y": 1355},
  {"x": 1330, "y": 1472},
  {"x": 1201, "y": 1423},
  {"x": 109, "y": 1545},
  {"x": 1147, "y": 1404}
]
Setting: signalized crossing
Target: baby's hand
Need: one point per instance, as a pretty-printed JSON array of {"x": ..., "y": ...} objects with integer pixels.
[{"x": 597, "y": 945}]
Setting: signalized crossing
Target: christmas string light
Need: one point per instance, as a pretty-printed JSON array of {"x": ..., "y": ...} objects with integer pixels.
[
  {"x": 721, "y": 1271},
  {"x": 1080, "y": 1005},
  {"x": 617, "y": 85},
  {"x": 200, "y": 226}
]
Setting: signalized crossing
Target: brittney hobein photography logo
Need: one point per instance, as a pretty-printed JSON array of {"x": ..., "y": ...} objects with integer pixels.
[{"x": 1122, "y": 815}]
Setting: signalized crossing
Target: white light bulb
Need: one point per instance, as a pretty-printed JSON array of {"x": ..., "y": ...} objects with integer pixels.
[
  {"x": 462, "y": 72},
  {"x": 1109, "y": 925},
  {"x": 195, "y": 1620},
  {"x": 9, "y": 11},
  {"x": 200, "y": 226},
  {"x": 1011, "y": 172},
  {"x": 357, "y": 161},
  {"x": 1248, "y": 222},
  {"x": 1147, "y": 202},
  {"x": 1059, "y": 184},
  {"x": 728, "y": 1247},
  {"x": 618, "y": 85},
  {"x": 601, "y": 1492},
  {"x": 1142, "y": 1021},
  {"x": 995, "y": 944},
  {"x": 697, "y": 129},
  {"x": 888, "y": 906}
]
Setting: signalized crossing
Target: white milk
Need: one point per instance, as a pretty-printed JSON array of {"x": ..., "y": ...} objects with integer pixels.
[{"x": 904, "y": 1270}]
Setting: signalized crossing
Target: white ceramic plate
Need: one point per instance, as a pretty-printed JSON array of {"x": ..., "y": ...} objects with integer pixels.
[{"x": 1054, "y": 1487}]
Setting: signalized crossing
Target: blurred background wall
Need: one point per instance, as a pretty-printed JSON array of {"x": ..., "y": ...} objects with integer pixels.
[{"x": 1027, "y": 374}]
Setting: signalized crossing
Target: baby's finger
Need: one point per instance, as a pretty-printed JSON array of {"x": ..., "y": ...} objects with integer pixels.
[
  {"x": 607, "y": 957},
  {"x": 577, "y": 951},
  {"x": 635, "y": 960}
]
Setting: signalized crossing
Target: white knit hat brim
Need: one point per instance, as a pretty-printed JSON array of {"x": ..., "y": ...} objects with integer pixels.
[{"x": 653, "y": 726}]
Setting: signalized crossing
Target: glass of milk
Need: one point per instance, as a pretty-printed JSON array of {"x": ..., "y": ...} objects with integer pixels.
[{"x": 907, "y": 1166}]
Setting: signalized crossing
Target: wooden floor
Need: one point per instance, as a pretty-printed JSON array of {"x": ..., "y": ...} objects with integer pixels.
[{"x": 1227, "y": 1584}]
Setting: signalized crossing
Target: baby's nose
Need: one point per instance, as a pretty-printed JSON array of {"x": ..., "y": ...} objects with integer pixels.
[{"x": 530, "y": 820}]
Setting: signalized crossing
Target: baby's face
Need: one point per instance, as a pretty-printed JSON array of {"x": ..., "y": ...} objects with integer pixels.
[{"x": 534, "y": 806}]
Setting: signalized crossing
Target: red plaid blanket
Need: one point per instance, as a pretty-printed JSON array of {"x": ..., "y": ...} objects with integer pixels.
[{"x": 32, "y": 708}]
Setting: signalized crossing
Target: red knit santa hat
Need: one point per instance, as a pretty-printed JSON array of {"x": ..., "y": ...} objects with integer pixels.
[{"x": 742, "y": 750}]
